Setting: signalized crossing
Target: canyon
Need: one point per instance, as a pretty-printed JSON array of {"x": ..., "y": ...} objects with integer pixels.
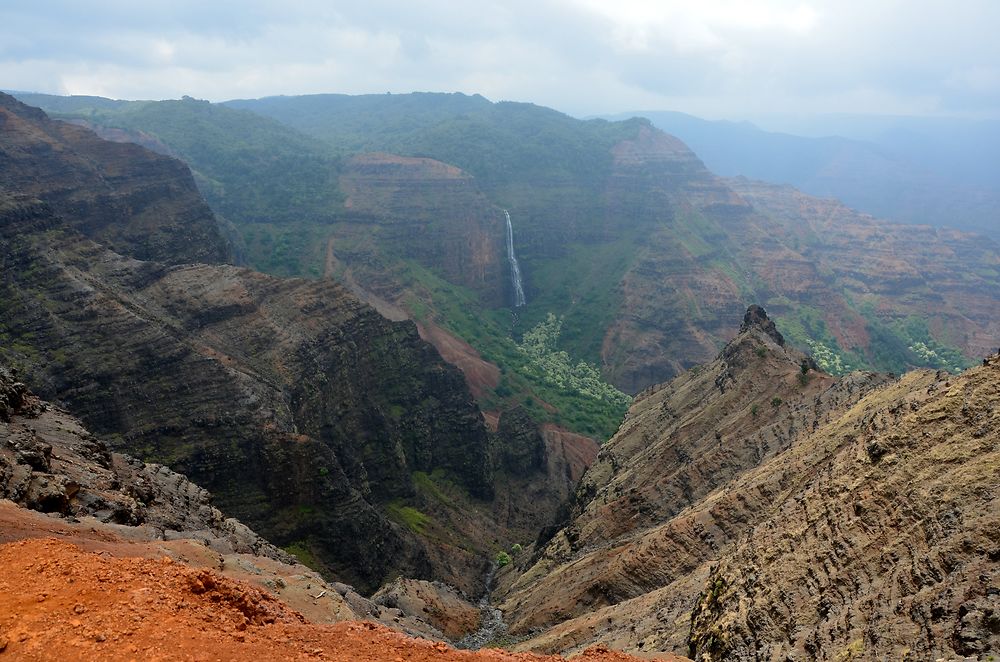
[
  {"x": 312, "y": 418},
  {"x": 416, "y": 422},
  {"x": 622, "y": 232}
]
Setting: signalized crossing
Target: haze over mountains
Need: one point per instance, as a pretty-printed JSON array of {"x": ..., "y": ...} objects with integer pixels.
[{"x": 940, "y": 172}]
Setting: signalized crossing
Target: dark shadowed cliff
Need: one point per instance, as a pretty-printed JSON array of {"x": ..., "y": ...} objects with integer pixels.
[{"x": 311, "y": 417}]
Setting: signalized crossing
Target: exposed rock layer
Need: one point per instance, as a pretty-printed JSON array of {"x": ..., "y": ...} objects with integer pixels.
[
  {"x": 425, "y": 210},
  {"x": 134, "y": 201},
  {"x": 302, "y": 409},
  {"x": 756, "y": 509}
]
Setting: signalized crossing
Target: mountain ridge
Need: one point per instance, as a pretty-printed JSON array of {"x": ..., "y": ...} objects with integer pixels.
[{"x": 815, "y": 500}]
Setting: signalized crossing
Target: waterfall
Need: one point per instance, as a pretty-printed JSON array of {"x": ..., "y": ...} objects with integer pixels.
[{"x": 515, "y": 268}]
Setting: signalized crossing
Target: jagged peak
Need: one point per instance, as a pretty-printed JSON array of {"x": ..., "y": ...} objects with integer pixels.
[{"x": 757, "y": 317}]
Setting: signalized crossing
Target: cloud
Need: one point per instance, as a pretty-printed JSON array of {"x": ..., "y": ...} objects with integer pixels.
[{"x": 719, "y": 58}]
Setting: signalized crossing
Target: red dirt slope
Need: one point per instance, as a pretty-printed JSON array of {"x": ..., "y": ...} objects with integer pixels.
[{"x": 58, "y": 602}]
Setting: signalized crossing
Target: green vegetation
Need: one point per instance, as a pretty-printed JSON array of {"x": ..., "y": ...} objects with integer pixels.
[
  {"x": 250, "y": 168},
  {"x": 500, "y": 143},
  {"x": 893, "y": 347},
  {"x": 289, "y": 249},
  {"x": 537, "y": 375},
  {"x": 408, "y": 516},
  {"x": 503, "y": 558},
  {"x": 806, "y": 328},
  {"x": 582, "y": 287},
  {"x": 908, "y": 342},
  {"x": 553, "y": 366},
  {"x": 300, "y": 550}
]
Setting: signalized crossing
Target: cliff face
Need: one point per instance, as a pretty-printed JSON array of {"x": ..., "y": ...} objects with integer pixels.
[
  {"x": 427, "y": 211},
  {"x": 303, "y": 410},
  {"x": 134, "y": 201},
  {"x": 675, "y": 305},
  {"x": 839, "y": 279},
  {"x": 754, "y": 508},
  {"x": 946, "y": 277},
  {"x": 51, "y": 463}
]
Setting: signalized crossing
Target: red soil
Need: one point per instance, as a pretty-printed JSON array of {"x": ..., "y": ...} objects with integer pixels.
[
  {"x": 480, "y": 374},
  {"x": 58, "y": 602}
]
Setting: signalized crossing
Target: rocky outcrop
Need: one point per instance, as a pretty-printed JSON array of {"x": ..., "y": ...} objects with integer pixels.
[
  {"x": 49, "y": 462},
  {"x": 136, "y": 202},
  {"x": 756, "y": 317},
  {"x": 522, "y": 449},
  {"x": 438, "y": 604},
  {"x": 754, "y": 508},
  {"x": 889, "y": 549}
]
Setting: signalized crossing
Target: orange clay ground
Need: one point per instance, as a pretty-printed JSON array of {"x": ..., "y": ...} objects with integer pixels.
[{"x": 58, "y": 602}]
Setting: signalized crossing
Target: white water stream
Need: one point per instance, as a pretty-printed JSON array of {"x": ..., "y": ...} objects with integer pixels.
[{"x": 515, "y": 268}]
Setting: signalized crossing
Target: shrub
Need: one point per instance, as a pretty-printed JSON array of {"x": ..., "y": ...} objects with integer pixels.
[{"x": 503, "y": 558}]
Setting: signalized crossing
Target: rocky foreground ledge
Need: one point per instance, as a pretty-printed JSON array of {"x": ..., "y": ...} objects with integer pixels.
[
  {"x": 61, "y": 603},
  {"x": 103, "y": 556}
]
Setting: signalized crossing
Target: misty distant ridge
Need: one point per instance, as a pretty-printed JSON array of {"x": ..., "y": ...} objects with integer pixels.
[
  {"x": 943, "y": 172},
  {"x": 938, "y": 171}
]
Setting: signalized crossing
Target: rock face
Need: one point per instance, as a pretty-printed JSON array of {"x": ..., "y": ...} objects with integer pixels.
[
  {"x": 523, "y": 449},
  {"x": 425, "y": 210},
  {"x": 946, "y": 277},
  {"x": 134, "y": 201},
  {"x": 753, "y": 508},
  {"x": 49, "y": 462},
  {"x": 303, "y": 410},
  {"x": 711, "y": 246},
  {"x": 438, "y": 604}
]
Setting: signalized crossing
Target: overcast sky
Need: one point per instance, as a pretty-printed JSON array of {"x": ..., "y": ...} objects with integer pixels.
[{"x": 714, "y": 58}]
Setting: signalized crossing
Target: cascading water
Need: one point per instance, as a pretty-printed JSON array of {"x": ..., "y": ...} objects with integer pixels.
[{"x": 515, "y": 268}]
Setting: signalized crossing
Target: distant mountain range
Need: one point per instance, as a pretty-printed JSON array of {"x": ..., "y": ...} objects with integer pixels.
[{"x": 942, "y": 172}]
